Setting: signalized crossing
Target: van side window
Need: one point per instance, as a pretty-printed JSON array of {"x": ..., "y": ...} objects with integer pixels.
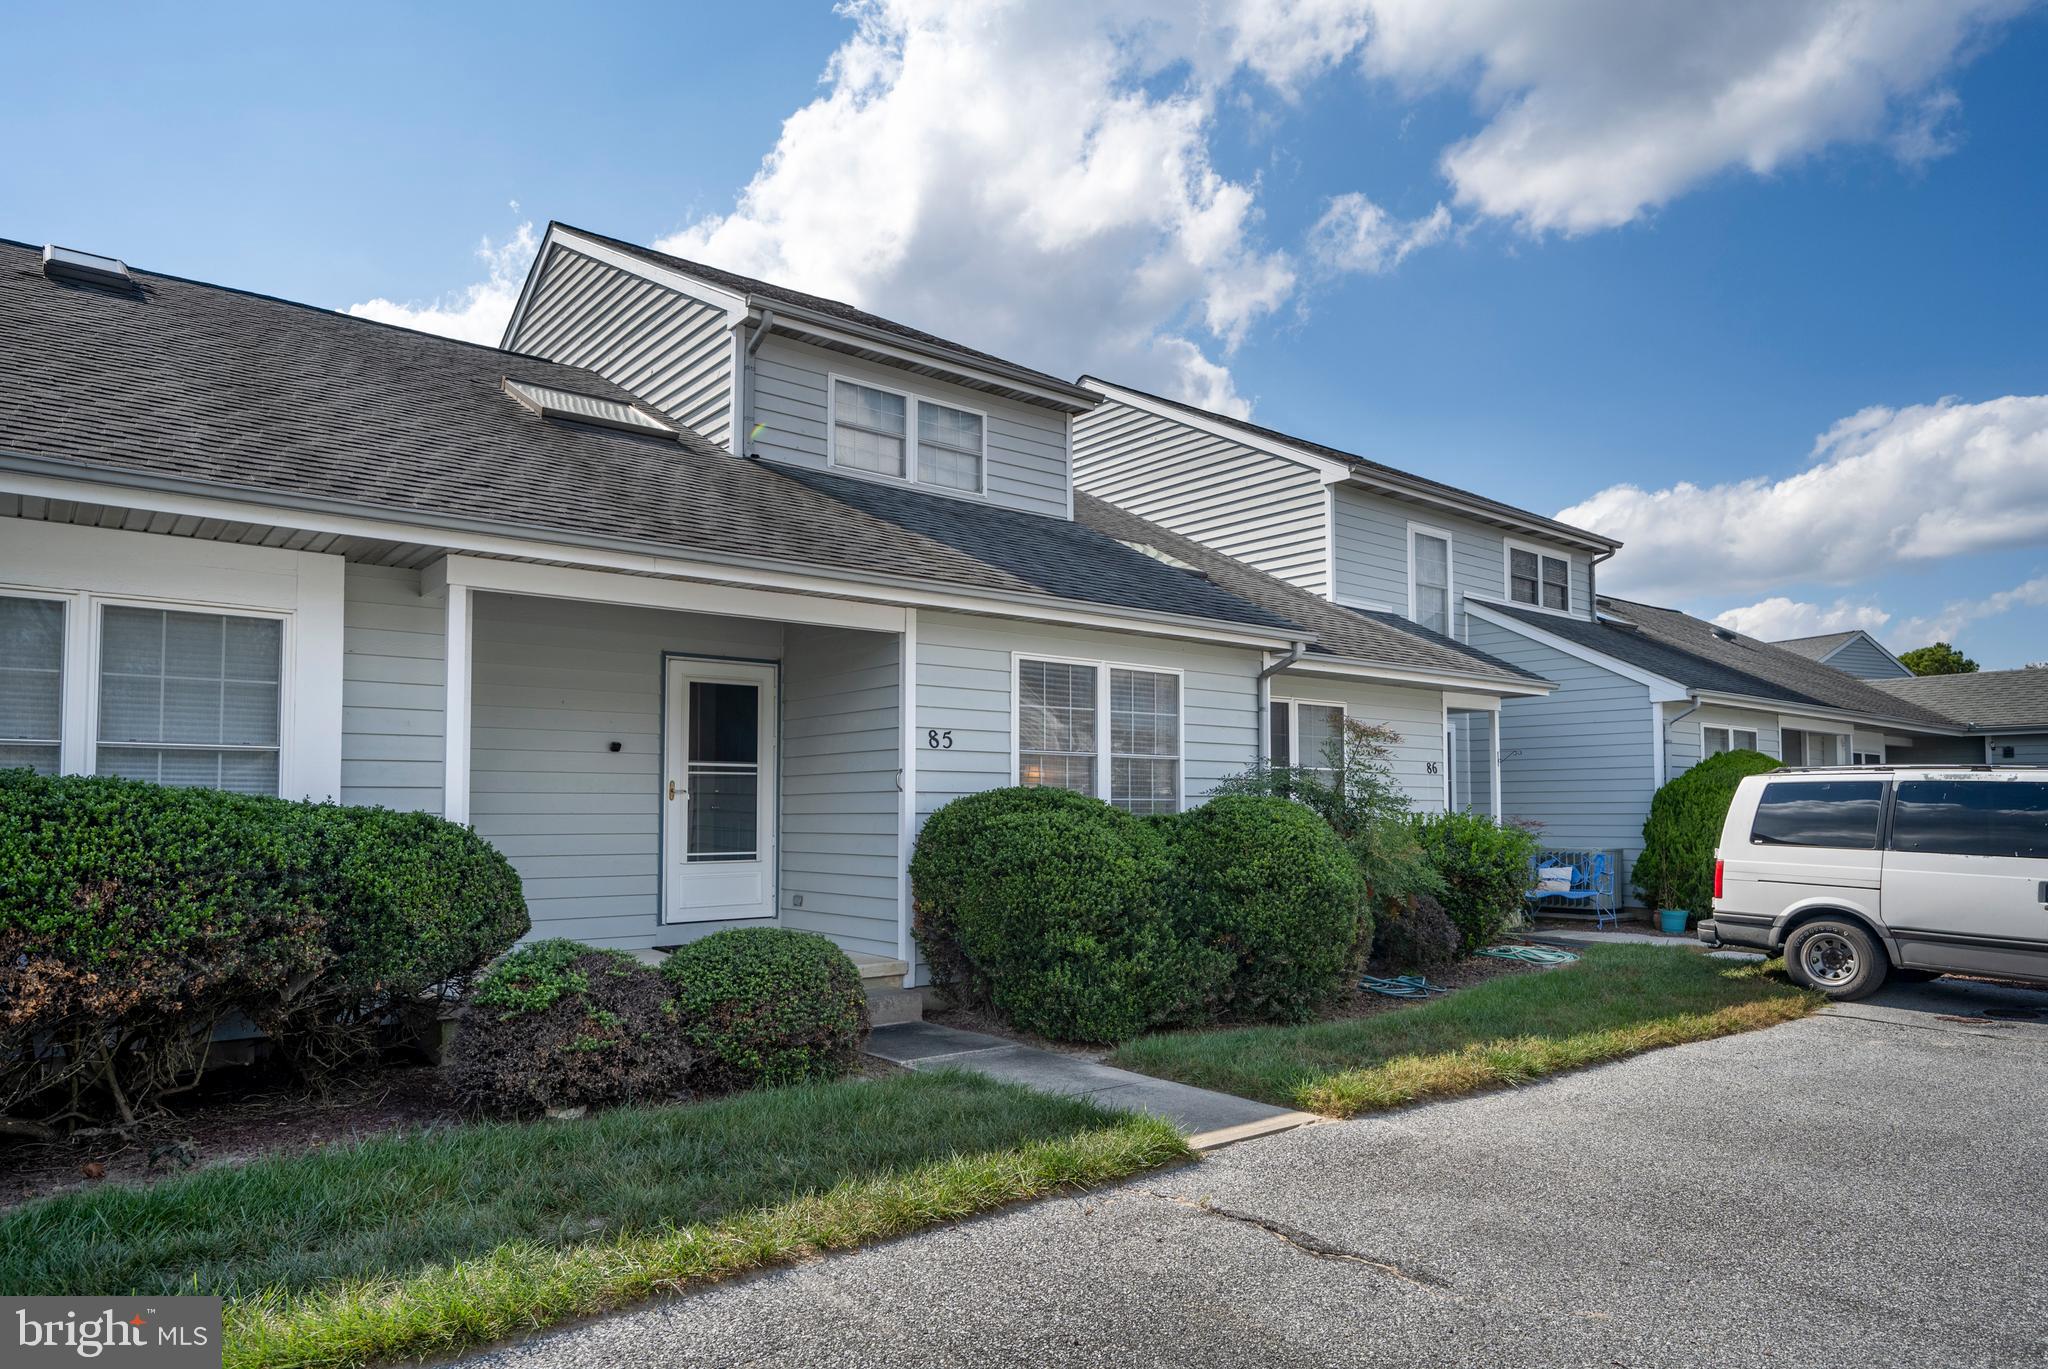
[
  {"x": 1838, "y": 813},
  {"x": 1972, "y": 818}
]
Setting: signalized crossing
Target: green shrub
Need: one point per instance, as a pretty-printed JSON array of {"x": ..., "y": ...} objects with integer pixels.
[
  {"x": 1265, "y": 883},
  {"x": 1051, "y": 908},
  {"x": 1676, "y": 868},
  {"x": 135, "y": 918},
  {"x": 560, "y": 1025},
  {"x": 1419, "y": 936},
  {"x": 762, "y": 1006},
  {"x": 1485, "y": 868}
]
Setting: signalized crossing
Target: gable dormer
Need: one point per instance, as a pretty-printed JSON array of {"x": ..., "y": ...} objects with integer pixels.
[{"x": 785, "y": 376}]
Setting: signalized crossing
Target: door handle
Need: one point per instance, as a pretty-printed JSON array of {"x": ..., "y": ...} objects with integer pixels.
[
  {"x": 2043, "y": 891},
  {"x": 671, "y": 790}
]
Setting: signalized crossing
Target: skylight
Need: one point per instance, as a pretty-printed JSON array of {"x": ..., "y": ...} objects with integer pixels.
[
  {"x": 578, "y": 408},
  {"x": 68, "y": 263},
  {"x": 1147, "y": 549}
]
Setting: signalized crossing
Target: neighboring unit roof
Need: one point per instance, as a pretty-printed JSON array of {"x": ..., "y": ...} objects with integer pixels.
[
  {"x": 1372, "y": 638},
  {"x": 1695, "y": 653},
  {"x": 1821, "y": 647},
  {"x": 768, "y": 293},
  {"x": 198, "y": 386},
  {"x": 1372, "y": 469},
  {"x": 1988, "y": 700}
]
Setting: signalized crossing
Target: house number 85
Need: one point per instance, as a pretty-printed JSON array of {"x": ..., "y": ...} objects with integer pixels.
[{"x": 937, "y": 740}]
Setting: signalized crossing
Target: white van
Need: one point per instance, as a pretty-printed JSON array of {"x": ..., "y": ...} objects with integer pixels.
[{"x": 1858, "y": 873}]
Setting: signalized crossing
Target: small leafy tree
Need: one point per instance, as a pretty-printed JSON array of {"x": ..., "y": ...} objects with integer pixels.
[
  {"x": 1486, "y": 868},
  {"x": 1355, "y": 791},
  {"x": 1938, "y": 659},
  {"x": 1676, "y": 868}
]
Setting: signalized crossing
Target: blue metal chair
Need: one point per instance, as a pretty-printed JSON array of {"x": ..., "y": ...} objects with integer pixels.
[{"x": 1591, "y": 884}]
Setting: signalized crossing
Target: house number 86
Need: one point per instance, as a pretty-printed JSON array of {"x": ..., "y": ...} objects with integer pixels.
[{"x": 937, "y": 740}]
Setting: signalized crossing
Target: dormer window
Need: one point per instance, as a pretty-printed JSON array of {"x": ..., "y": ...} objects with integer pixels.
[
  {"x": 904, "y": 437},
  {"x": 1539, "y": 579}
]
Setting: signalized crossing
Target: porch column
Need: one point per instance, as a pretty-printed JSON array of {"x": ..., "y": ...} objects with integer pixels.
[
  {"x": 1493, "y": 757},
  {"x": 456, "y": 708}
]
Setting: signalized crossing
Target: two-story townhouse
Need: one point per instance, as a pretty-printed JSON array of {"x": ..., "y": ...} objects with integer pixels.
[
  {"x": 1353, "y": 531},
  {"x": 694, "y": 600}
]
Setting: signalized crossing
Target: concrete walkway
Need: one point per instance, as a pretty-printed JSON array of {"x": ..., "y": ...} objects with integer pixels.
[
  {"x": 1575, "y": 940},
  {"x": 1208, "y": 1118}
]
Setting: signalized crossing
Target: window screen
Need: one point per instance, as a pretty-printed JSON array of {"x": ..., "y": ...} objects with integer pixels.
[
  {"x": 948, "y": 447},
  {"x": 189, "y": 698},
  {"x": 31, "y": 683},
  {"x": 869, "y": 431},
  {"x": 1433, "y": 582},
  {"x": 1836, "y": 813},
  {"x": 1720, "y": 739},
  {"x": 1056, "y": 744},
  {"x": 1971, "y": 818},
  {"x": 1144, "y": 741}
]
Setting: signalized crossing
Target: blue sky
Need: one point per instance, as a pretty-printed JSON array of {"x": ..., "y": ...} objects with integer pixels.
[{"x": 1630, "y": 261}]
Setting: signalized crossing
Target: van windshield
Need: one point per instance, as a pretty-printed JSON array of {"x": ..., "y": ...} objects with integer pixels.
[
  {"x": 1837, "y": 813},
  {"x": 1972, "y": 818}
]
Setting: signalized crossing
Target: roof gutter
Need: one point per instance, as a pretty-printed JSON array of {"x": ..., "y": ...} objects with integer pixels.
[
  {"x": 1049, "y": 388},
  {"x": 1295, "y": 653},
  {"x": 1828, "y": 713},
  {"x": 328, "y": 515}
]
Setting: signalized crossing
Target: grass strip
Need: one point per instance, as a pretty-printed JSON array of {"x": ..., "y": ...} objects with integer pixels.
[
  {"x": 1616, "y": 1002},
  {"x": 436, "y": 1241}
]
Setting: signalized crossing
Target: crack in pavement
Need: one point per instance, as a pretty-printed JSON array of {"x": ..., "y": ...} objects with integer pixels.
[{"x": 1311, "y": 1244}]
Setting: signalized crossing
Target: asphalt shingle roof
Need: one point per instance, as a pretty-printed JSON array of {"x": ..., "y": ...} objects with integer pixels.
[
  {"x": 839, "y": 309},
  {"x": 1365, "y": 464},
  {"x": 1350, "y": 634},
  {"x": 1990, "y": 700},
  {"x": 248, "y": 393},
  {"x": 1690, "y": 651}
]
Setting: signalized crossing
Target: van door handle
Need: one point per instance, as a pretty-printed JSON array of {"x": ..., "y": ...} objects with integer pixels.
[{"x": 2043, "y": 891}]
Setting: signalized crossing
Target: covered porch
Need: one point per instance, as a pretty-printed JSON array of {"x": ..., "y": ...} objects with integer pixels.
[{"x": 661, "y": 759}]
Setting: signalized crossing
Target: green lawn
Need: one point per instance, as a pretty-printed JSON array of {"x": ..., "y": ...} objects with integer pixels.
[
  {"x": 1617, "y": 1001},
  {"x": 420, "y": 1244}
]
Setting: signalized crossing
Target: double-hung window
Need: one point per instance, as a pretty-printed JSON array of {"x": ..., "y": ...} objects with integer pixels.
[
  {"x": 887, "y": 433},
  {"x": 1715, "y": 740},
  {"x": 1429, "y": 579},
  {"x": 1539, "y": 579},
  {"x": 31, "y": 683},
  {"x": 1307, "y": 736},
  {"x": 189, "y": 698},
  {"x": 1107, "y": 730}
]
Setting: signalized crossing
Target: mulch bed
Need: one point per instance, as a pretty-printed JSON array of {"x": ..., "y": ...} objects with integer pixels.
[{"x": 228, "y": 1128}]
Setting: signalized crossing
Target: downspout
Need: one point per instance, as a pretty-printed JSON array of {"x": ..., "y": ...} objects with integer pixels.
[
  {"x": 1293, "y": 656},
  {"x": 1593, "y": 582},
  {"x": 1664, "y": 736},
  {"x": 745, "y": 382}
]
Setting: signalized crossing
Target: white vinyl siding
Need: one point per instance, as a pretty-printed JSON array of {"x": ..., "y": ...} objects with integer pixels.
[
  {"x": 1267, "y": 512},
  {"x": 31, "y": 683},
  {"x": 394, "y": 668},
  {"x": 1026, "y": 446},
  {"x": 672, "y": 351},
  {"x": 1860, "y": 658}
]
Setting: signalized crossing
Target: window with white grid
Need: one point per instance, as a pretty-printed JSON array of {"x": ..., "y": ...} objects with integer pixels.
[
  {"x": 1056, "y": 725},
  {"x": 949, "y": 447},
  {"x": 870, "y": 429},
  {"x": 31, "y": 683},
  {"x": 1144, "y": 740},
  {"x": 190, "y": 698},
  {"x": 1539, "y": 579},
  {"x": 1430, "y": 580}
]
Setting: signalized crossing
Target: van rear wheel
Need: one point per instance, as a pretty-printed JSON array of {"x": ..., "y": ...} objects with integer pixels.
[{"x": 1839, "y": 958}]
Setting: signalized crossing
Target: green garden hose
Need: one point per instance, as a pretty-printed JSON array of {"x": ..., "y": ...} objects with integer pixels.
[
  {"x": 1402, "y": 986},
  {"x": 1530, "y": 955}
]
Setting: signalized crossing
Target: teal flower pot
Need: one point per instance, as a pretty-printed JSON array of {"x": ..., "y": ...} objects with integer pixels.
[{"x": 1671, "y": 921}]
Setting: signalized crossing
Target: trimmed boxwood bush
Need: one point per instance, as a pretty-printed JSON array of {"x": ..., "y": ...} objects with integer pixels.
[
  {"x": 560, "y": 1025},
  {"x": 1676, "y": 868},
  {"x": 134, "y": 918},
  {"x": 1485, "y": 868},
  {"x": 1268, "y": 886},
  {"x": 762, "y": 1006},
  {"x": 1419, "y": 936},
  {"x": 1053, "y": 910}
]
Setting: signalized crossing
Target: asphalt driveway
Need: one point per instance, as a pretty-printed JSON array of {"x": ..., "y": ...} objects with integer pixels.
[{"x": 1867, "y": 1187}]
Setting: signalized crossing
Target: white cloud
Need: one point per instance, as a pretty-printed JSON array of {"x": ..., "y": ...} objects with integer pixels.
[
  {"x": 475, "y": 314},
  {"x": 1957, "y": 615},
  {"x": 1778, "y": 617},
  {"x": 1601, "y": 110},
  {"x": 1354, "y": 234},
  {"x": 1884, "y": 488}
]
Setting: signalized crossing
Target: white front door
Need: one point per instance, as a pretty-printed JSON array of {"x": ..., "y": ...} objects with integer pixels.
[{"x": 718, "y": 791}]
